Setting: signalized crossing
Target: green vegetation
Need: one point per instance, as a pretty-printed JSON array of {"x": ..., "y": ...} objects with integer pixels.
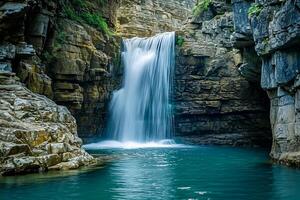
[
  {"x": 47, "y": 57},
  {"x": 201, "y": 6},
  {"x": 96, "y": 21},
  {"x": 101, "y": 2},
  {"x": 79, "y": 3},
  {"x": 265, "y": 41},
  {"x": 78, "y": 10},
  {"x": 179, "y": 41},
  {"x": 255, "y": 9},
  {"x": 61, "y": 37}
]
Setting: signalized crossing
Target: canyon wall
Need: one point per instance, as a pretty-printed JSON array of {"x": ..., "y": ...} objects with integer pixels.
[
  {"x": 213, "y": 103},
  {"x": 64, "y": 56},
  {"x": 59, "y": 50},
  {"x": 144, "y": 18},
  {"x": 66, "y": 51},
  {"x": 272, "y": 28}
]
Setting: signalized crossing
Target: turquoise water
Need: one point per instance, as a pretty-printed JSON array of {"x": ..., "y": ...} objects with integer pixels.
[{"x": 165, "y": 173}]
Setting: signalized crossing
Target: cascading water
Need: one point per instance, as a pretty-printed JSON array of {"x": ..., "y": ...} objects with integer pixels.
[{"x": 140, "y": 111}]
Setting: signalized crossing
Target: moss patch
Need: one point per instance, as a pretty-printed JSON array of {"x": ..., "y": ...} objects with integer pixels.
[{"x": 201, "y": 6}]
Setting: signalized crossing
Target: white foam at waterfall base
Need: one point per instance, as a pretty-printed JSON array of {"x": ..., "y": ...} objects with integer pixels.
[{"x": 113, "y": 144}]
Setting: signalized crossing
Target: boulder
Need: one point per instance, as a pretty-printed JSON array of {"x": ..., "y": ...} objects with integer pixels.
[{"x": 35, "y": 133}]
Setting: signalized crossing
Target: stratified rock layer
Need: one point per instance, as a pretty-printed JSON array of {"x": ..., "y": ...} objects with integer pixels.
[
  {"x": 63, "y": 57},
  {"x": 213, "y": 103},
  {"x": 275, "y": 35},
  {"x": 147, "y": 18},
  {"x": 82, "y": 72},
  {"x": 35, "y": 133}
]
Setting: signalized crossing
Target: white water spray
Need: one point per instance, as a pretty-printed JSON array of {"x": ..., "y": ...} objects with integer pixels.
[{"x": 140, "y": 111}]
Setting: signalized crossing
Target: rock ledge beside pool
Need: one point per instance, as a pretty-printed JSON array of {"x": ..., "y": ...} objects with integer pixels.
[{"x": 35, "y": 133}]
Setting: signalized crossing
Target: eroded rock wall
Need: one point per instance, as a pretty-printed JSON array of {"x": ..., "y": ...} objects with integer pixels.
[
  {"x": 213, "y": 103},
  {"x": 35, "y": 133},
  {"x": 46, "y": 47},
  {"x": 56, "y": 49},
  {"x": 273, "y": 30},
  {"x": 83, "y": 73},
  {"x": 146, "y": 18}
]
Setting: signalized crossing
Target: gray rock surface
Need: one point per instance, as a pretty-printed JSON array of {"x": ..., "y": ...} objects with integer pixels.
[
  {"x": 276, "y": 37},
  {"x": 214, "y": 103}
]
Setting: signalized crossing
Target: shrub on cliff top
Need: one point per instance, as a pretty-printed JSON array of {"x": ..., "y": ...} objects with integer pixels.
[{"x": 201, "y": 6}]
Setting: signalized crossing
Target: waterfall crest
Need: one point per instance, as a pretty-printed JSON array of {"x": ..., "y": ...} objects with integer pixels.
[{"x": 141, "y": 111}]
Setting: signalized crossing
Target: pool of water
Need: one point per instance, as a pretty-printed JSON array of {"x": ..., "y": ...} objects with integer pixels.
[{"x": 198, "y": 172}]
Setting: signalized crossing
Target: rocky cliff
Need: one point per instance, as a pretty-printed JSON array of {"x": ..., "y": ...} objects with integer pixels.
[
  {"x": 272, "y": 29},
  {"x": 213, "y": 103},
  {"x": 68, "y": 52},
  {"x": 146, "y": 18},
  {"x": 65, "y": 50}
]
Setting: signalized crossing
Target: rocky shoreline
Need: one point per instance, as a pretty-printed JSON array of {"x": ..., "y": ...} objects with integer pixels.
[{"x": 36, "y": 134}]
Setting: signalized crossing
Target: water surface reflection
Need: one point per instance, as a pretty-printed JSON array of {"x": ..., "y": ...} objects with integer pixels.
[{"x": 169, "y": 173}]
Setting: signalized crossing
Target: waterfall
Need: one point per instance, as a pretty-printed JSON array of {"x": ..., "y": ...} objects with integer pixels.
[{"x": 141, "y": 111}]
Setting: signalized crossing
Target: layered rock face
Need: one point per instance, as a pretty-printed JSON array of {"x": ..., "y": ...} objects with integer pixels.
[
  {"x": 18, "y": 55},
  {"x": 214, "y": 104},
  {"x": 146, "y": 18},
  {"x": 48, "y": 48},
  {"x": 35, "y": 133},
  {"x": 272, "y": 28},
  {"x": 58, "y": 50},
  {"x": 82, "y": 73}
]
